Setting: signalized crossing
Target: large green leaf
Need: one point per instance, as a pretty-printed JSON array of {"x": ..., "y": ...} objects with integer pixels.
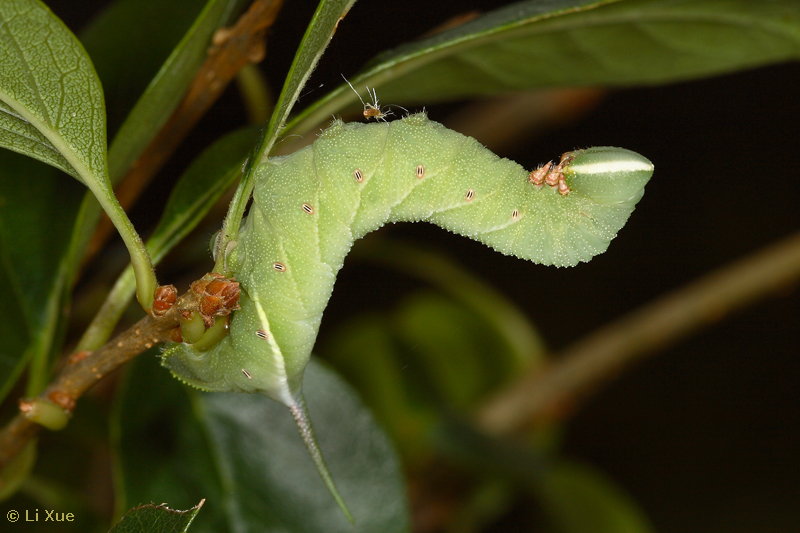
[
  {"x": 52, "y": 102},
  {"x": 243, "y": 454},
  {"x": 272, "y": 479},
  {"x": 535, "y": 44},
  {"x": 41, "y": 251},
  {"x": 580, "y": 499},
  {"x": 48, "y": 85}
]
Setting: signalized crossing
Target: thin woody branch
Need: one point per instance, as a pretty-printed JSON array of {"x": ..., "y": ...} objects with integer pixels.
[
  {"x": 581, "y": 369},
  {"x": 212, "y": 298},
  {"x": 81, "y": 371}
]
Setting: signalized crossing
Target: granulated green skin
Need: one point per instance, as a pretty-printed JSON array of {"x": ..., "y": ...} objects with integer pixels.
[{"x": 309, "y": 207}]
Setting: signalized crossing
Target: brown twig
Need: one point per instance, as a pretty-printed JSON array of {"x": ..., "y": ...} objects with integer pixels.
[
  {"x": 597, "y": 358},
  {"x": 212, "y": 298},
  {"x": 80, "y": 373},
  {"x": 232, "y": 48}
]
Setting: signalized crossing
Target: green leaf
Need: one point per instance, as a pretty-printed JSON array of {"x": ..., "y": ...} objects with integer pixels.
[
  {"x": 48, "y": 82},
  {"x": 319, "y": 33},
  {"x": 526, "y": 344},
  {"x": 35, "y": 200},
  {"x": 580, "y": 499},
  {"x": 156, "y": 519},
  {"x": 52, "y": 102},
  {"x": 34, "y": 241},
  {"x": 361, "y": 460},
  {"x": 462, "y": 355},
  {"x": 243, "y": 454},
  {"x": 196, "y": 192},
  {"x": 434, "y": 353},
  {"x": 367, "y": 354},
  {"x": 274, "y": 481},
  {"x": 534, "y": 45},
  {"x": 17, "y": 470}
]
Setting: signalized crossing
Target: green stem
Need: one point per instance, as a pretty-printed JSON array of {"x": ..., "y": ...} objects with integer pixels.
[
  {"x": 255, "y": 91},
  {"x": 233, "y": 219},
  {"x": 146, "y": 282},
  {"x": 109, "y": 314}
]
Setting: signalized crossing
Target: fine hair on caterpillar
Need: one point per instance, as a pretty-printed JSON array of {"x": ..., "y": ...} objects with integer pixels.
[{"x": 309, "y": 207}]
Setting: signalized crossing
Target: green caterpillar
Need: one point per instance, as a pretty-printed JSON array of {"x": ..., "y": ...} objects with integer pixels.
[{"x": 310, "y": 206}]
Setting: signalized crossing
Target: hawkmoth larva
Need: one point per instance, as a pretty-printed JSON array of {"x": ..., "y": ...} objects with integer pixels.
[{"x": 310, "y": 206}]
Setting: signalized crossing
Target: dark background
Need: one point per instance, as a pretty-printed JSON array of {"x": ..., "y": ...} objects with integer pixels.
[{"x": 705, "y": 435}]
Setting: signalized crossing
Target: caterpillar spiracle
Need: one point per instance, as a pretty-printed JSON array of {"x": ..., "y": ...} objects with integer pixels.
[{"x": 309, "y": 207}]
